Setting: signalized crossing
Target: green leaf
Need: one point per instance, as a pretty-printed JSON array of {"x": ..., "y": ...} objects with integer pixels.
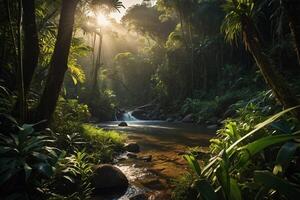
[
  {"x": 4, "y": 149},
  {"x": 289, "y": 190},
  {"x": 257, "y": 146},
  {"x": 27, "y": 170},
  {"x": 259, "y": 126},
  {"x": 27, "y": 129},
  {"x": 222, "y": 175},
  {"x": 193, "y": 163},
  {"x": 235, "y": 192},
  {"x": 69, "y": 178},
  {"x": 40, "y": 156},
  {"x": 44, "y": 168},
  {"x": 286, "y": 153},
  {"x": 205, "y": 189}
]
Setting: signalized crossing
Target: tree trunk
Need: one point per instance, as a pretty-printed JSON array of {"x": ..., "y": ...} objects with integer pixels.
[
  {"x": 275, "y": 80},
  {"x": 292, "y": 8},
  {"x": 59, "y": 61},
  {"x": 95, "y": 87},
  {"x": 20, "y": 73},
  {"x": 31, "y": 42}
]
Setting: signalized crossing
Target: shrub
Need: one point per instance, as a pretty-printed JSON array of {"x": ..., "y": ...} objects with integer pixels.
[{"x": 69, "y": 115}]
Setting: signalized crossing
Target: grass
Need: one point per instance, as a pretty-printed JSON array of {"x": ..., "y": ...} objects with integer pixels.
[
  {"x": 99, "y": 135},
  {"x": 105, "y": 145}
]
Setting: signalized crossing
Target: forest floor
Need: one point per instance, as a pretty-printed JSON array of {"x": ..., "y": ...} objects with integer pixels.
[{"x": 162, "y": 145}]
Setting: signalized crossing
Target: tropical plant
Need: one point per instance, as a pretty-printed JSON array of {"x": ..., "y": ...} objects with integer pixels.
[
  {"x": 73, "y": 172},
  {"x": 242, "y": 169},
  {"x": 27, "y": 158}
]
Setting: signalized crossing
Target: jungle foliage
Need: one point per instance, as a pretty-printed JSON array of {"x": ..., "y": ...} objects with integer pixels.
[{"x": 227, "y": 63}]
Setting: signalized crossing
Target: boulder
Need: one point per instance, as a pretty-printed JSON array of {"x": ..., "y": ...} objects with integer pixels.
[
  {"x": 132, "y": 147},
  {"x": 107, "y": 176},
  {"x": 122, "y": 124},
  {"x": 188, "y": 119},
  {"x": 170, "y": 119}
]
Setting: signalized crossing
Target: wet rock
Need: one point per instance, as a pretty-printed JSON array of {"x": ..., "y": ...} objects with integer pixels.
[
  {"x": 108, "y": 177},
  {"x": 146, "y": 158},
  {"x": 131, "y": 155},
  {"x": 188, "y": 119},
  {"x": 139, "y": 197},
  {"x": 170, "y": 119},
  {"x": 132, "y": 147},
  {"x": 123, "y": 124}
]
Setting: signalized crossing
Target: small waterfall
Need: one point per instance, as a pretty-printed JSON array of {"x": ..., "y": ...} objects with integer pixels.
[{"x": 127, "y": 116}]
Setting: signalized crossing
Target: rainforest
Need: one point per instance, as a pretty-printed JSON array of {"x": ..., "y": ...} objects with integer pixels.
[{"x": 149, "y": 99}]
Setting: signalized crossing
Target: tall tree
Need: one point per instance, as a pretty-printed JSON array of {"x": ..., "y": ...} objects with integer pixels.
[
  {"x": 59, "y": 60},
  {"x": 292, "y": 8},
  {"x": 31, "y": 43},
  {"x": 242, "y": 12}
]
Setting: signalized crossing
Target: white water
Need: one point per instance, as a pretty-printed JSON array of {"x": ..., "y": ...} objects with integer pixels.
[{"x": 127, "y": 116}]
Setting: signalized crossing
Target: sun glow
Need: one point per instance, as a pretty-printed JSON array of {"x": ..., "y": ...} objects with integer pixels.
[{"x": 102, "y": 20}]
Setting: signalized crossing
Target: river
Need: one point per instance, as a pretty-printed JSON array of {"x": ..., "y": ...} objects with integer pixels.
[{"x": 165, "y": 143}]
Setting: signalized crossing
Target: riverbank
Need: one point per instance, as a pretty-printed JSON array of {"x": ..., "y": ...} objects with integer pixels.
[{"x": 152, "y": 171}]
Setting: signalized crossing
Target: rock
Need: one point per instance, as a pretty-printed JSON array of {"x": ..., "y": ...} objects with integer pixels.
[
  {"x": 170, "y": 119},
  {"x": 213, "y": 126},
  {"x": 122, "y": 124},
  {"x": 131, "y": 155},
  {"x": 146, "y": 158},
  {"x": 107, "y": 176},
  {"x": 188, "y": 119},
  {"x": 139, "y": 197},
  {"x": 132, "y": 147}
]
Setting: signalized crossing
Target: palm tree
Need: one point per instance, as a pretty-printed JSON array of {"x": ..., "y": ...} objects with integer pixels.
[
  {"x": 59, "y": 59},
  {"x": 292, "y": 8},
  {"x": 239, "y": 20}
]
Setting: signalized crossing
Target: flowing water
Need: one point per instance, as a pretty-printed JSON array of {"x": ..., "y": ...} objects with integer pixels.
[{"x": 164, "y": 142}]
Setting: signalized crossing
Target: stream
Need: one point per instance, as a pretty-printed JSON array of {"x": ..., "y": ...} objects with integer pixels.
[{"x": 163, "y": 143}]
